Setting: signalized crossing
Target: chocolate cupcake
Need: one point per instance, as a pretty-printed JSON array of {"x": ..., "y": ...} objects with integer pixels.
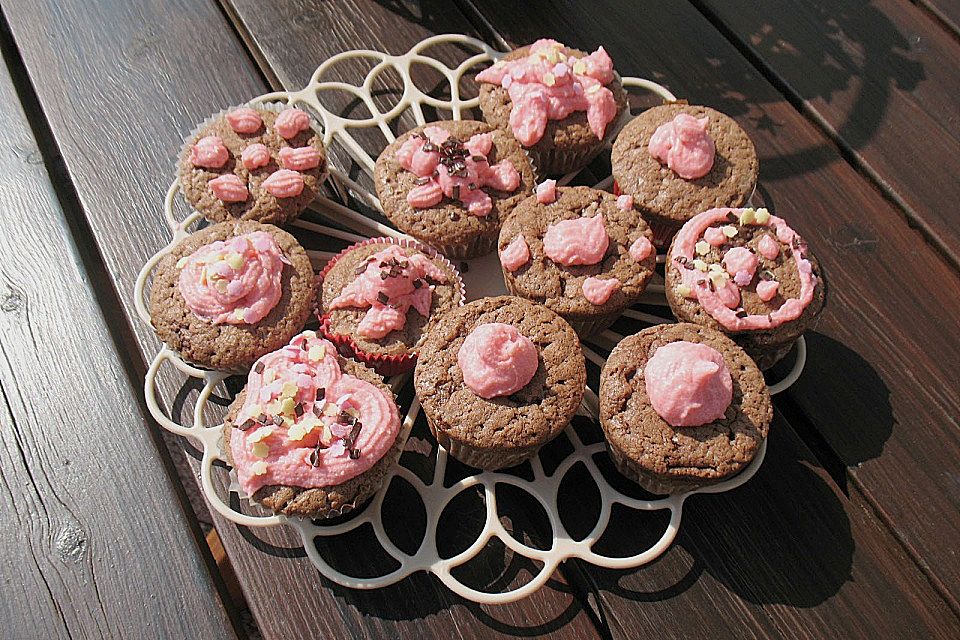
[
  {"x": 582, "y": 252},
  {"x": 232, "y": 292},
  {"x": 584, "y": 102},
  {"x": 498, "y": 378},
  {"x": 379, "y": 297},
  {"x": 682, "y": 407},
  {"x": 253, "y": 163},
  {"x": 746, "y": 273},
  {"x": 451, "y": 184},
  {"x": 677, "y": 160},
  {"x": 313, "y": 434}
]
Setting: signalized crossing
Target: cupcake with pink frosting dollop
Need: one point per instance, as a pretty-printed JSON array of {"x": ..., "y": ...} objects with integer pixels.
[
  {"x": 747, "y": 273},
  {"x": 313, "y": 434},
  {"x": 263, "y": 163},
  {"x": 498, "y": 378},
  {"x": 682, "y": 406},
  {"x": 379, "y": 297},
  {"x": 560, "y": 103},
  {"x": 676, "y": 160},
  {"x": 584, "y": 253},
  {"x": 229, "y": 293},
  {"x": 451, "y": 184}
]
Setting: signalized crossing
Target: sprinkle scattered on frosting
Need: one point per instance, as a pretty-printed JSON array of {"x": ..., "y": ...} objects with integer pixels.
[
  {"x": 718, "y": 286},
  {"x": 284, "y": 183},
  {"x": 388, "y": 283},
  {"x": 598, "y": 290},
  {"x": 244, "y": 120},
  {"x": 684, "y": 145},
  {"x": 548, "y": 85},
  {"x": 299, "y": 158},
  {"x": 624, "y": 202},
  {"x": 547, "y": 192},
  {"x": 229, "y": 188},
  {"x": 255, "y": 156},
  {"x": 290, "y": 122},
  {"x": 305, "y": 423},
  {"x": 236, "y": 281},
  {"x": 458, "y": 170}
]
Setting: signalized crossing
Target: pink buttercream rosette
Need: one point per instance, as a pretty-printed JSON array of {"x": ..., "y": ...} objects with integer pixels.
[{"x": 383, "y": 364}]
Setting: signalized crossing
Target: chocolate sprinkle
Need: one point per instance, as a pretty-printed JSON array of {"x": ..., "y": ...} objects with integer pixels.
[
  {"x": 315, "y": 457},
  {"x": 742, "y": 314},
  {"x": 246, "y": 424},
  {"x": 478, "y": 158},
  {"x": 430, "y": 147},
  {"x": 317, "y": 409},
  {"x": 354, "y": 454},
  {"x": 384, "y": 275},
  {"x": 262, "y": 418},
  {"x": 472, "y": 186},
  {"x": 454, "y": 216},
  {"x": 383, "y": 298},
  {"x": 259, "y": 368},
  {"x": 417, "y": 283},
  {"x": 360, "y": 268},
  {"x": 422, "y": 181},
  {"x": 346, "y": 418},
  {"x": 355, "y": 432},
  {"x": 298, "y": 410},
  {"x": 321, "y": 394},
  {"x": 277, "y": 420},
  {"x": 456, "y": 192}
]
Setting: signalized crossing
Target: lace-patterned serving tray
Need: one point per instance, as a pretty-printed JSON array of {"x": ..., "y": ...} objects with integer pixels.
[{"x": 482, "y": 278}]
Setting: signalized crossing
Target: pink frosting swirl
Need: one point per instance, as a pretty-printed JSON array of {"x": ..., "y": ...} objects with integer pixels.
[
  {"x": 516, "y": 254},
  {"x": 304, "y": 423},
  {"x": 299, "y": 158},
  {"x": 255, "y": 156},
  {"x": 229, "y": 188},
  {"x": 720, "y": 297},
  {"x": 235, "y": 281},
  {"x": 576, "y": 241},
  {"x": 290, "y": 122},
  {"x": 448, "y": 167},
  {"x": 244, "y": 120},
  {"x": 684, "y": 145},
  {"x": 598, "y": 290},
  {"x": 209, "y": 152},
  {"x": 688, "y": 383},
  {"x": 284, "y": 183},
  {"x": 390, "y": 284},
  {"x": 497, "y": 360},
  {"x": 547, "y": 85}
]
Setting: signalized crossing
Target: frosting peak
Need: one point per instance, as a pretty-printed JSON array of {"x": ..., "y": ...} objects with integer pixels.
[
  {"x": 688, "y": 383},
  {"x": 388, "y": 283},
  {"x": 235, "y": 281},
  {"x": 497, "y": 360},
  {"x": 449, "y": 167},
  {"x": 576, "y": 241},
  {"x": 684, "y": 145},
  {"x": 548, "y": 85}
]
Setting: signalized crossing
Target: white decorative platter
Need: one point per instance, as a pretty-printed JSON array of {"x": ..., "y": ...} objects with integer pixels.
[{"x": 483, "y": 278}]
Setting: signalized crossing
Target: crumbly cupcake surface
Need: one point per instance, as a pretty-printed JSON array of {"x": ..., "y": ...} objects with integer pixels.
[
  {"x": 447, "y": 223},
  {"x": 312, "y": 434},
  {"x": 507, "y": 427},
  {"x": 561, "y": 287},
  {"x": 253, "y": 164},
  {"x": 212, "y": 333},
  {"x": 747, "y": 273},
  {"x": 659, "y": 191},
  {"x": 672, "y": 458},
  {"x": 436, "y": 286}
]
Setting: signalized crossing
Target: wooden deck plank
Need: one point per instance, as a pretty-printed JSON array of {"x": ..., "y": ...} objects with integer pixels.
[
  {"x": 875, "y": 77},
  {"x": 94, "y": 542},
  {"x": 882, "y": 365}
]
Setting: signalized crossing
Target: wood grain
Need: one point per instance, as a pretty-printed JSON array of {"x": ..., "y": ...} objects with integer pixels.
[
  {"x": 89, "y": 548},
  {"x": 878, "y": 390},
  {"x": 873, "y": 75},
  {"x": 946, "y": 11}
]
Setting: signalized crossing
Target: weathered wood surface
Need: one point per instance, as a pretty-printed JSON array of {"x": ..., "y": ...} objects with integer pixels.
[
  {"x": 881, "y": 78},
  {"x": 94, "y": 539}
]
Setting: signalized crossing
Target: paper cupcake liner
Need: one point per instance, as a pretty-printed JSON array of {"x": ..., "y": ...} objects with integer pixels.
[
  {"x": 486, "y": 459},
  {"x": 473, "y": 248},
  {"x": 764, "y": 355},
  {"x": 652, "y": 482},
  {"x": 276, "y": 107},
  {"x": 384, "y": 364}
]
